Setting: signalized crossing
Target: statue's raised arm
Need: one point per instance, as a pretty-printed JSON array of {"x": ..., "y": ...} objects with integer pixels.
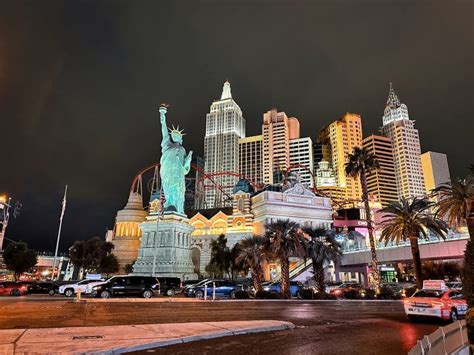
[{"x": 164, "y": 129}]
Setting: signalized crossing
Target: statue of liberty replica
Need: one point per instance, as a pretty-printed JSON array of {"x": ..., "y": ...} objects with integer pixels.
[
  {"x": 165, "y": 248},
  {"x": 174, "y": 165}
]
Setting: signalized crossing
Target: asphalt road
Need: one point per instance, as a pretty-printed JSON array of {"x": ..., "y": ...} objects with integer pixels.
[{"x": 323, "y": 327}]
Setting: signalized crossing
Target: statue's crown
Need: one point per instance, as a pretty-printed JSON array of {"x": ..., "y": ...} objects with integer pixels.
[{"x": 177, "y": 130}]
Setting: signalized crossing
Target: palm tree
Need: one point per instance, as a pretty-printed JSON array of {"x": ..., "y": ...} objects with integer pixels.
[
  {"x": 361, "y": 163},
  {"x": 410, "y": 220},
  {"x": 220, "y": 257},
  {"x": 321, "y": 247},
  {"x": 283, "y": 240},
  {"x": 456, "y": 203},
  {"x": 251, "y": 255}
]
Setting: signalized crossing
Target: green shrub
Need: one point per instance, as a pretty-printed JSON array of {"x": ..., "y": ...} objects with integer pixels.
[
  {"x": 262, "y": 295},
  {"x": 324, "y": 296},
  {"x": 368, "y": 294},
  {"x": 242, "y": 295},
  {"x": 468, "y": 274},
  {"x": 352, "y": 295},
  {"x": 410, "y": 291},
  {"x": 397, "y": 296},
  {"x": 307, "y": 294},
  {"x": 470, "y": 324},
  {"x": 385, "y": 293},
  {"x": 468, "y": 287},
  {"x": 276, "y": 296},
  {"x": 268, "y": 295}
]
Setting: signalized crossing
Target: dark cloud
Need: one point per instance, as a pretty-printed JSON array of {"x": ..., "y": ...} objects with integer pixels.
[{"x": 80, "y": 83}]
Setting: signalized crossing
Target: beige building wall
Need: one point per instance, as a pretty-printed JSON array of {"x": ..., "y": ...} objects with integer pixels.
[
  {"x": 435, "y": 169},
  {"x": 277, "y": 129},
  {"x": 382, "y": 182},
  {"x": 341, "y": 137},
  {"x": 251, "y": 159},
  {"x": 127, "y": 232},
  {"x": 294, "y": 127}
]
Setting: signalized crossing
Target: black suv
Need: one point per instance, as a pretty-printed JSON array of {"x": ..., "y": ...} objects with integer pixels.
[
  {"x": 49, "y": 288},
  {"x": 170, "y": 286},
  {"x": 145, "y": 286}
]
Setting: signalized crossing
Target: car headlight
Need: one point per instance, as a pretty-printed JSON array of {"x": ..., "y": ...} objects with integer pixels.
[{"x": 266, "y": 288}]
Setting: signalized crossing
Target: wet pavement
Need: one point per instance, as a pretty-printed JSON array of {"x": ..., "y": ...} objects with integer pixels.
[{"x": 322, "y": 327}]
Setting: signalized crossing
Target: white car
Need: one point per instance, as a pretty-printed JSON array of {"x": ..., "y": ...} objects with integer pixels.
[{"x": 71, "y": 289}]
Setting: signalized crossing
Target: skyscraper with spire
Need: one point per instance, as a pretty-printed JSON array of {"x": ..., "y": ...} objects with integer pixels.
[
  {"x": 225, "y": 125},
  {"x": 406, "y": 147}
]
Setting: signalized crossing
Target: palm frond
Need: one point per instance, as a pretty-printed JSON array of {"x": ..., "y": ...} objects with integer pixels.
[
  {"x": 361, "y": 160},
  {"x": 408, "y": 218}
]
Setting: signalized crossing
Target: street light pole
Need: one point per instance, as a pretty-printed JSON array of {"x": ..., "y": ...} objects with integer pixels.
[{"x": 59, "y": 234}]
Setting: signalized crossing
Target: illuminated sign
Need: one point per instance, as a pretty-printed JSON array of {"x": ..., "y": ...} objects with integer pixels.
[
  {"x": 434, "y": 285},
  {"x": 349, "y": 223}
]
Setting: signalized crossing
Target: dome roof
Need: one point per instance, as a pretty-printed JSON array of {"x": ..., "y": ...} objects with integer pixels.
[
  {"x": 134, "y": 202},
  {"x": 244, "y": 186},
  {"x": 133, "y": 210}
]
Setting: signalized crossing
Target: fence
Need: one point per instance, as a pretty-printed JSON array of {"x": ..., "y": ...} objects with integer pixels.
[{"x": 445, "y": 340}]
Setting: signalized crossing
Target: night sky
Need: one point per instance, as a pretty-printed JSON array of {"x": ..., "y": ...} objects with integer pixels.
[{"x": 81, "y": 82}]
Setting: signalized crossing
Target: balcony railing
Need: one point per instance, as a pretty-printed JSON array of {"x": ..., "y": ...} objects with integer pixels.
[{"x": 354, "y": 247}]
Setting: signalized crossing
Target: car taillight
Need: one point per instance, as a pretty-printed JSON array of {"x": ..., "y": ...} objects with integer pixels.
[{"x": 436, "y": 303}]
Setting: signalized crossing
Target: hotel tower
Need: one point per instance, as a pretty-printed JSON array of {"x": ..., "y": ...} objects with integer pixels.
[
  {"x": 225, "y": 125},
  {"x": 406, "y": 147}
]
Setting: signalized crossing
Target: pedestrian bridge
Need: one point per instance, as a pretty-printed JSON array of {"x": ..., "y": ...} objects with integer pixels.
[{"x": 433, "y": 249}]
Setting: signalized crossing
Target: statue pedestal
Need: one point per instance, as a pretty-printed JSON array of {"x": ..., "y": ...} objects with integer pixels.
[{"x": 165, "y": 249}]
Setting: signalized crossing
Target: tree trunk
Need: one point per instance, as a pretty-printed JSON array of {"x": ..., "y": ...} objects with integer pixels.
[
  {"x": 285, "y": 278},
  {"x": 415, "y": 251},
  {"x": 370, "y": 229},
  {"x": 318, "y": 271},
  {"x": 257, "y": 282},
  {"x": 470, "y": 225}
]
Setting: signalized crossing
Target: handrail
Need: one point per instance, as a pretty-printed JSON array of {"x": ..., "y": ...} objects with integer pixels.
[
  {"x": 381, "y": 246},
  {"x": 444, "y": 340}
]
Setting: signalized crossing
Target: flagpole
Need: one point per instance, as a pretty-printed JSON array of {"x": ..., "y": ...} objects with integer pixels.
[{"x": 59, "y": 233}]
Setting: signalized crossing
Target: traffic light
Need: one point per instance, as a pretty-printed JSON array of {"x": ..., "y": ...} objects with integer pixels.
[{"x": 17, "y": 208}]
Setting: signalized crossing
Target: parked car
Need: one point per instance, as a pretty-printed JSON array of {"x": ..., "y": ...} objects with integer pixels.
[
  {"x": 10, "y": 288},
  {"x": 455, "y": 285},
  {"x": 248, "y": 287},
  {"x": 345, "y": 287},
  {"x": 70, "y": 290},
  {"x": 222, "y": 288},
  {"x": 188, "y": 283},
  {"x": 435, "y": 300},
  {"x": 331, "y": 285},
  {"x": 145, "y": 286},
  {"x": 295, "y": 288},
  {"x": 170, "y": 286},
  {"x": 395, "y": 287},
  {"x": 47, "y": 288}
]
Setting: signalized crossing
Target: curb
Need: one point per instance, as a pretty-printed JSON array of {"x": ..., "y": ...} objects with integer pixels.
[
  {"x": 193, "y": 300},
  {"x": 188, "y": 339}
]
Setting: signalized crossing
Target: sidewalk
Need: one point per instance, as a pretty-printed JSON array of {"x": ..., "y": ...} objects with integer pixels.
[{"x": 124, "y": 338}]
